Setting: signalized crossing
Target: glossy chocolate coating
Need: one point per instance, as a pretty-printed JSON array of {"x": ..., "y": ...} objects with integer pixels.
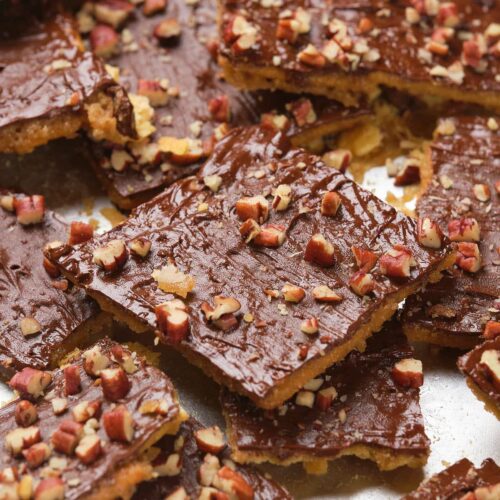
[
  {"x": 147, "y": 383},
  {"x": 188, "y": 65},
  {"x": 192, "y": 459},
  {"x": 397, "y": 42},
  {"x": 207, "y": 245},
  {"x": 380, "y": 413},
  {"x": 469, "y": 156},
  {"x": 470, "y": 365},
  {"x": 26, "y": 291},
  {"x": 31, "y": 87},
  {"x": 458, "y": 479}
]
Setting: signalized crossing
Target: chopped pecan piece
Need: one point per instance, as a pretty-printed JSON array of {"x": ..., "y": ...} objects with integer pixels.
[
  {"x": 397, "y": 262},
  {"x": 320, "y": 251},
  {"x": 468, "y": 257},
  {"x": 256, "y": 208},
  {"x": 270, "y": 235},
  {"x": 408, "y": 373},
  {"x": 173, "y": 320}
]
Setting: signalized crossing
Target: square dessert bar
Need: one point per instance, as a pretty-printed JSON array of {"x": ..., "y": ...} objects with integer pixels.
[
  {"x": 344, "y": 49},
  {"x": 196, "y": 463},
  {"x": 264, "y": 269},
  {"x": 81, "y": 430},
  {"x": 166, "y": 54},
  {"x": 367, "y": 406},
  {"x": 52, "y": 87},
  {"x": 481, "y": 366},
  {"x": 461, "y": 480},
  {"x": 43, "y": 316},
  {"x": 463, "y": 162}
]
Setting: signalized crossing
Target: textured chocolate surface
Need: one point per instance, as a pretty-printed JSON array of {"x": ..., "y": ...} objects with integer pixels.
[
  {"x": 45, "y": 71},
  {"x": 379, "y": 412},
  {"x": 189, "y": 67},
  {"x": 26, "y": 291},
  {"x": 470, "y": 365},
  {"x": 469, "y": 156},
  {"x": 256, "y": 356},
  {"x": 192, "y": 459},
  {"x": 458, "y": 479},
  {"x": 147, "y": 383},
  {"x": 396, "y": 46}
]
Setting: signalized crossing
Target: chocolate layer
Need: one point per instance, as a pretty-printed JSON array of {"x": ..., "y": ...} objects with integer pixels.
[
  {"x": 199, "y": 231},
  {"x": 471, "y": 366},
  {"x": 146, "y": 383},
  {"x": 457, "y": 480},
  {"x": 381, "y": 47},
  {"x": 190, "y": 69},
  {"x": 191, "y": 459},
  {"x": 379, "y": 413},
  {"x": 27, "y": 291},
  {"x": 462, "y": 302},
  {"x": 46, "y": 72}
]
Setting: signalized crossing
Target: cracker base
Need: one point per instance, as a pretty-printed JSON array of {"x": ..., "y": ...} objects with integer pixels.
[{"x": 417, "y": 333}]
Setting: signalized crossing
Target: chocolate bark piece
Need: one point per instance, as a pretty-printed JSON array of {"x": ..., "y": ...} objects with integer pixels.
[
  {"x": 230, "y": 325},
  {"x": 462, "y": 159},
  {"x": 117, "y": 465},
  {"x": 370, "y": 415},
  {"x": 188, "y": 84},
  {"x": 66, "y": 318},
  {"x": 481, "y": 366},
  {"x": 457, "y": 480},
  {"x": 346, "y": 49},
  {"x": 52, "y": 87},
  {"x": 192, "y": 460}
]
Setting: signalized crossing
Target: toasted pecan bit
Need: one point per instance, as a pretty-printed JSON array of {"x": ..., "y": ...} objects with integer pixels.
[
  {"x": 173, "y": 320},
  {"x": 319, "y": 251},
  {"x": 408, "y": 373}
]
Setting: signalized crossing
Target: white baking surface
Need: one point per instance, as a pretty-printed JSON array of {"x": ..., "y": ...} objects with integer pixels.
[{"x": 456, "y": 422}]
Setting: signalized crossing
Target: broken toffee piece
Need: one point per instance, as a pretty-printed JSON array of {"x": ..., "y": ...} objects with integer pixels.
[
  {"x": 43, "y": 316},
  {"x": 463, "y": 162},
  {"x": 347, "y": 49},
  {"x": 481, "y": 366},
  {"x": 258, "y": 250},
  {"x": 359, "y": 406},
  {"x": 190, "y": 466},
  {"x": 193, "y": 107},
  {"x": 461, "y": 481},
  {"x": 52, "y": 87},
  {"x": 82, "y": 429}
]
